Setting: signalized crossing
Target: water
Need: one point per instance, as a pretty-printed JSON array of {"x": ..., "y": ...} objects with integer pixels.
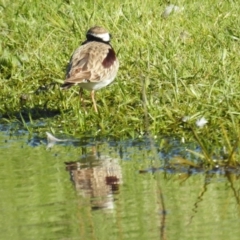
[{"x": 110, "y": 190}]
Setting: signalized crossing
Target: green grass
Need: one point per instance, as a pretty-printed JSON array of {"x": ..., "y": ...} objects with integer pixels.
[{"x": 161, "y": 79}]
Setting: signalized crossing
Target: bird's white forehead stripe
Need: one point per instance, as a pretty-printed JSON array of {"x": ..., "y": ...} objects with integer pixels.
[{"x": 104, "y": 36}]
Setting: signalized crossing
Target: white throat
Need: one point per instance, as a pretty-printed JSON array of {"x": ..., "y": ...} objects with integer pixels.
[{"x": 104, "y": 36}]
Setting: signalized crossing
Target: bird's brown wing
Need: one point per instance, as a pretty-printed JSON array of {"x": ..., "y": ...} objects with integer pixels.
[{"x": 86, "y": 64}]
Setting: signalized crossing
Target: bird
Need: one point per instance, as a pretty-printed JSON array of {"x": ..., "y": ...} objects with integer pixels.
[{"x": 93, "y": 65}]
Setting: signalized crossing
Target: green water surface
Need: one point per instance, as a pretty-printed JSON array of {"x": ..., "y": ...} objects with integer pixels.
[{"x": 100, "y": 194}]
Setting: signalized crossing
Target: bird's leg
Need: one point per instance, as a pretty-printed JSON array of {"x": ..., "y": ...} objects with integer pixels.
[
  {"x": 94, "y": 102},
  {"x": 81, "y": 97}
]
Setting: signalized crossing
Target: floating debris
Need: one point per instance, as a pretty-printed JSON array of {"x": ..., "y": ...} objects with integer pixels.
[
  {"x": 171, "y": 8},
  {"x": 186, "y": 118},
  {"x": 184, "y": 35},
  {"x": 201, "y": 122},
  {"x": 53, "y": 140},
  {"x": 24, "y": 97}
]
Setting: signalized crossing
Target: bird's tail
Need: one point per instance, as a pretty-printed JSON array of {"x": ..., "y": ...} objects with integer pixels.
[{"x": 66, "y": 85}]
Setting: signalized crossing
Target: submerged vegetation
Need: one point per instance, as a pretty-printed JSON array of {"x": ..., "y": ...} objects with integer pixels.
[{"x": 176, "y": 68}]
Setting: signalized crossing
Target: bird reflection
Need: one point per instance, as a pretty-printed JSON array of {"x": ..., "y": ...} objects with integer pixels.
[{"x": 96, "y": 177}]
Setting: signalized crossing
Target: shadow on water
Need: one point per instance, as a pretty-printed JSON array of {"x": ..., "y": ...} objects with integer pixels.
[{"x": 141, "y": 188}]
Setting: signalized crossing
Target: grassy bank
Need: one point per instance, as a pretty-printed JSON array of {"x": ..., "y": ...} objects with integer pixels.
[{"x": 182, "y": 65}]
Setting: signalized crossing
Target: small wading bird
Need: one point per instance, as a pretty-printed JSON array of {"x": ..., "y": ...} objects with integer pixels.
[{"x": 93, "y": 65}]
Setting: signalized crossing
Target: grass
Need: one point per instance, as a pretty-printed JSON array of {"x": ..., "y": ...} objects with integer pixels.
[{"x": 184, "y": 65}]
